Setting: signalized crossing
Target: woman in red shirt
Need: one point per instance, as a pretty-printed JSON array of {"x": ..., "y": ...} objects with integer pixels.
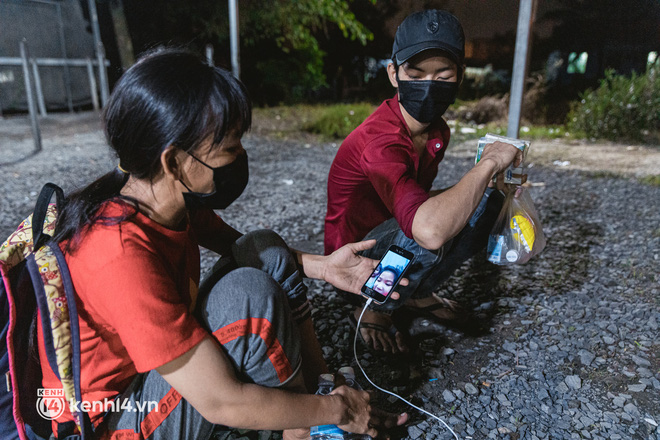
[{"x": 160, "y": 356}]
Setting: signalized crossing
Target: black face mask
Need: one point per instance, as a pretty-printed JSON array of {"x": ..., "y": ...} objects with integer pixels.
[
  {"x": 230, "y": 180},
  {"x": 426, "y": 100}
]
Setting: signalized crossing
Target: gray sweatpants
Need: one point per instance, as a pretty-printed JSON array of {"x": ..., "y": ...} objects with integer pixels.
[{"x": 250, "y": 306}]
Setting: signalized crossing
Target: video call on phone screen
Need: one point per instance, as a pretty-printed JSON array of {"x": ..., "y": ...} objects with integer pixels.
[{"x": 388, "y": 272}]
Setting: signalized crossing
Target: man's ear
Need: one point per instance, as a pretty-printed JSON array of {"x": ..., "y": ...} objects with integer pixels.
[
  {"x": 391, "y": 74},
  {"x": 171, "y": 161}
]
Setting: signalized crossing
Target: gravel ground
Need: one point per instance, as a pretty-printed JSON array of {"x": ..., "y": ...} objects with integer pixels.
[{"x": 569, "y": 347}]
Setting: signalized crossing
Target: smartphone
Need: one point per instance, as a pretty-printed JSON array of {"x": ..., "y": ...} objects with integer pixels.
[{"x": 387, "y": 274}]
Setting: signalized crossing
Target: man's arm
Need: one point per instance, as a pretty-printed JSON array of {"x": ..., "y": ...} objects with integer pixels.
[{"x": 443, "y": 216}]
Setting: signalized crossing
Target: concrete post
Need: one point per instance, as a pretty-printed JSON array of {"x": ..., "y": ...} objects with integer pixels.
[
  {"x": 38, "y": 89},
  {"x": 520, "y": 63},
  {"x": 100, "y": 51},
  {"x": 209, "y": 54},
  {"x": 67, "y": 72},
  {"x": 93, "y": 90},
  {"x": 233, "y": 38}
]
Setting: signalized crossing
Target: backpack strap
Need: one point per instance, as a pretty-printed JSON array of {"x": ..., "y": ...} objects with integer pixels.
[
  {"x": 82, "y": 418},
  {"x": 63, "y": 323},
  {"x": 41, "y": 210}
]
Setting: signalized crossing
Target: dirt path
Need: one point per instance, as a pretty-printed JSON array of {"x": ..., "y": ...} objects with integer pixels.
[
  {"x": 619, "y": 159},
  {"x": 571, "y": 349},
  {"x": 598, "y": 157}
]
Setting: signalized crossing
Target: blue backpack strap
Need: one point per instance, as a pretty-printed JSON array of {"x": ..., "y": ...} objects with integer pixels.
[
  {"x": 42, "y": 304},
  {"x": 84, "y": 423},
  {"x": 39, "y": 219}
]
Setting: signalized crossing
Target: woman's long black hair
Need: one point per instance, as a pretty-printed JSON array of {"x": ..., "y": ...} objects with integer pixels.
[{"x": 169, "y": 97}]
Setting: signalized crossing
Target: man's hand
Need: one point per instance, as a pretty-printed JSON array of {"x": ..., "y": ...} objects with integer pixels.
[
  {"x": 348, "y": 271},
  {"x": 502, "y": 154},
  {"x": 362, "y": 418}
]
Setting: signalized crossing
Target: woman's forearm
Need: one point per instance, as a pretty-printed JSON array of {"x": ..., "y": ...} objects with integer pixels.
[
  {"x": 257, "y": 407},
  {"x": 205, "y": 377}
]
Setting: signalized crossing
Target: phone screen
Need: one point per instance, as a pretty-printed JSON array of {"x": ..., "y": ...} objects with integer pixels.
[{"x": 387, "y": 274}]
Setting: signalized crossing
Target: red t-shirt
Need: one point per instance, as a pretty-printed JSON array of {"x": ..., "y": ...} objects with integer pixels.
[
  {"x": 136, "y": 285},
  {"x": 377, "y": 175}
]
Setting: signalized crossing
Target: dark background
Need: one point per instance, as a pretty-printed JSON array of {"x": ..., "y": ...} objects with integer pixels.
[
  {"x": 329, "y": 66},
  {"x": 616, "y": 34}
]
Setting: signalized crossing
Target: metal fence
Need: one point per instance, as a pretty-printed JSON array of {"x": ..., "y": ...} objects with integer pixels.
[
  {"x": 59, "y": 51},
  {"x": 46, "y": 51},
  {"x": 32, "y": 78}
]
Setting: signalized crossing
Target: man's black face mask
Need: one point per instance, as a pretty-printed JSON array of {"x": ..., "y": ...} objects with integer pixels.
[{"x": 426, "y": 100}]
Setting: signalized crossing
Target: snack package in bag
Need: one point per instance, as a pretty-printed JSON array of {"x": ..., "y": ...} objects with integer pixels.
[{"x": 517, "y": 235}]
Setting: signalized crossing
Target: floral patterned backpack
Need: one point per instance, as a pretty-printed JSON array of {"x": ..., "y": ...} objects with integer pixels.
[{"x": 36, "y": 284}]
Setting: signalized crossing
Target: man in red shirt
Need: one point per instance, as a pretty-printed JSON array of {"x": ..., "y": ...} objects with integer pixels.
[{"x": 379, "y": 184}]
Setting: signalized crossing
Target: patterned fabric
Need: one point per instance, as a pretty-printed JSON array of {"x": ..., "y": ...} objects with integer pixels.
[
  {"x": 15, "y": 250},
  {"x": 19, "y": 244}
]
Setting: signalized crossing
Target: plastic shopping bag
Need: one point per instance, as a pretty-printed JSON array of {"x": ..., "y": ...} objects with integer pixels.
[{"x": 517, "y": 235}]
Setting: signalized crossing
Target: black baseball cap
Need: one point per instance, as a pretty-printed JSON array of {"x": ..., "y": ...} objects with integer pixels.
[{"x": 429, "y": 29}]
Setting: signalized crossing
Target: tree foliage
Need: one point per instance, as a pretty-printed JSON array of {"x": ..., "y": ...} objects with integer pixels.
[
  {"x": 280, "y": 51},
  {"x": 293, "y": 23},
  {"x": 294, "y": 26},
  {"x": 622, "y": 108}
]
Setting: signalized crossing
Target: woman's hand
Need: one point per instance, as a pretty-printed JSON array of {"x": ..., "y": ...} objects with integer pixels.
[
  {"x": 361, "y": 417},
  {"x": 346, "y": 270}
]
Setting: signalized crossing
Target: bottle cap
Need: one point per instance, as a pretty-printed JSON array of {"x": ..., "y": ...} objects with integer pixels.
[
  {"x": 347, "y": 370},
  {"x": 327, "y": 377}
]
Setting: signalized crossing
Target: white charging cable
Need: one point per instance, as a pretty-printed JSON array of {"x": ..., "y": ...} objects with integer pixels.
[{"x": 382, "y": 389}]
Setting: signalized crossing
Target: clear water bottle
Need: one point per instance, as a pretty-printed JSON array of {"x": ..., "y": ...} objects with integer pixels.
[
  {"x": 326, "y": 432},
  {"x": 349, "y": 375}
]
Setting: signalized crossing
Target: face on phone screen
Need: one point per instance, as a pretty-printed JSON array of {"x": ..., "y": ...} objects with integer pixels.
[{"x": 387, "y": 274}]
